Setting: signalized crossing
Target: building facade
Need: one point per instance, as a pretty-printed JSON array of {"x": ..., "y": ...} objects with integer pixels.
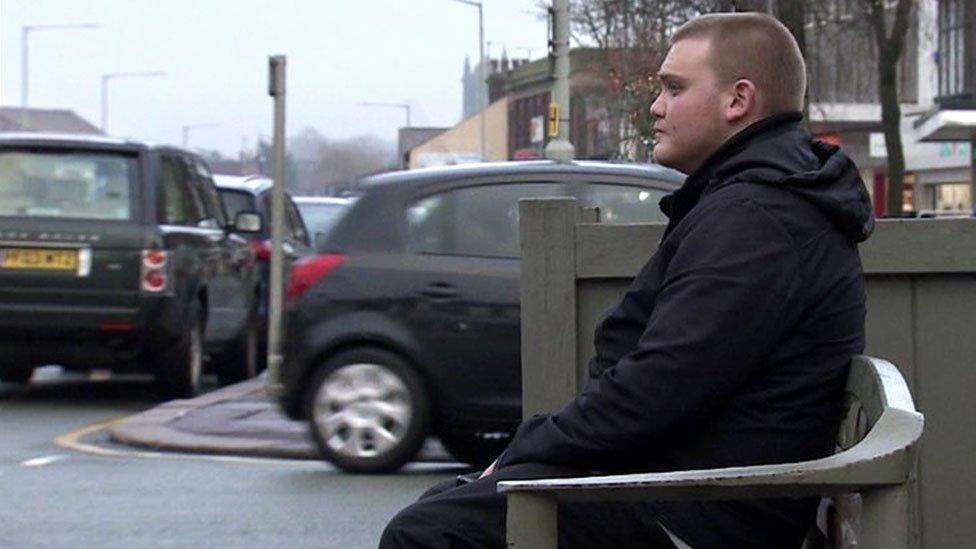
[
  {"x": 462, "y": 143},
  {"x": 937, "y": 78},
  {"x": 950, "y": 122}
]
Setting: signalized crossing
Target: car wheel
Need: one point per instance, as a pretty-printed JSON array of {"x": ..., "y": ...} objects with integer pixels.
[
  {"x": 474, "y": 449},
  {"x": 179, "y": 369},
  {"x": 239, "y": 361},
  {"x": 16, "y": 374},
  {"x": 368, "y": 410}
]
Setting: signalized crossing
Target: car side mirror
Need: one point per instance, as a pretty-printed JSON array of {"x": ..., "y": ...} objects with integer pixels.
[{"x": 247, "y": 222}]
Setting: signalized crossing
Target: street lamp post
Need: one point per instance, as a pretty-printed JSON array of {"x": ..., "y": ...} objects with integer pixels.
[
  {"x": 25, "y": 58},
  {"x": 276, "y": 89},
  {"x": 404, "y": 106},
  {"x": 188, "y": 127},
  {"x": 483, "y": 76},
  {"x": 109, "y": 76},
  {"x": 559, "y": 147}
]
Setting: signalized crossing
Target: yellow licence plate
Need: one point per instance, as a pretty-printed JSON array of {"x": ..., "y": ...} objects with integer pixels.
[{"x": 39, "y": 258}]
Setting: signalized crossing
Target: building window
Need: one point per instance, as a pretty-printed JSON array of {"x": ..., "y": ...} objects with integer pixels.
[
  {"x": 951, "y": 197},
  {"x": 956, "y": 76}
]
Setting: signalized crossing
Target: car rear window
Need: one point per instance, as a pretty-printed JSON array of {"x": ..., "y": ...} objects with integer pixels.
[
  {"x": 472, "y": 221},
  {"x": 320, "y": 217},
  {"x": 236, "y": 202},
  {"x": 625, "y": 203},
  {"x": 75, "y": 185}
]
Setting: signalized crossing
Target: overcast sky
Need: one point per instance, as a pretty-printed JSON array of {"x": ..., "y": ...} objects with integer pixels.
[{"x": 214, "y": 54}]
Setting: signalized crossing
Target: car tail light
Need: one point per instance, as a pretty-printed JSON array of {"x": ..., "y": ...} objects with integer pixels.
[
  {"x": 261, "y": 249},
  {"x": 155, "y": 272},
  {"x": 117, "y": 326},
  {"x": 307, "y": 272},
  {"x": 154, "y": 259}
]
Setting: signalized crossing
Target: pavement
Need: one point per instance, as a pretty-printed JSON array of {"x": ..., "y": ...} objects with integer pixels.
[{"x": 240, "y": 419}]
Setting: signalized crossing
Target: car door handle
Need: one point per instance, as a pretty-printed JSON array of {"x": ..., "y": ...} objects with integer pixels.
[{"x": 439, "y": 290}]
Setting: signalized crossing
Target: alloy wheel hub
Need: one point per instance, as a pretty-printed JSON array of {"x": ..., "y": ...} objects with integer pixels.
[{"x": 362, "y": 410}]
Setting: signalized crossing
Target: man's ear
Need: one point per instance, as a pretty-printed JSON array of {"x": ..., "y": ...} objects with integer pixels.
[{"x": 742, "y": 101}]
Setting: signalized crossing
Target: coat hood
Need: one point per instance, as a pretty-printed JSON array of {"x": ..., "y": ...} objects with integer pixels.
[{"x": 777, "y": 151}]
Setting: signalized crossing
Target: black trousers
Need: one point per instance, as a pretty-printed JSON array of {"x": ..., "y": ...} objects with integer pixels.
[{"x": 473, "y": 516}]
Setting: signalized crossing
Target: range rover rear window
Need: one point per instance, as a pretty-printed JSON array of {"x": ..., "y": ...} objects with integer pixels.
[{"x": 67, "y": 184}]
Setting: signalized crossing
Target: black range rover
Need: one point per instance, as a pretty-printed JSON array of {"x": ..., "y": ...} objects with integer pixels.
[{"x": 118, "y": 255}]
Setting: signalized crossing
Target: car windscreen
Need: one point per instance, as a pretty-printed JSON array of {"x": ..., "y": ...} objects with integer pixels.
[
  {"x": 320, "y": 217},
  {"x": 236, "y": 202},
  {"x": 67, "y": 184}
]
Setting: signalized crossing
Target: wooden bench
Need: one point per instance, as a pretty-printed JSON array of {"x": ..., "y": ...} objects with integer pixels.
[{"x": 876, "y": 444}]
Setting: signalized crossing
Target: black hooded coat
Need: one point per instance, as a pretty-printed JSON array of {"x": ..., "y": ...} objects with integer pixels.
[{"x": 733, "y": 343}]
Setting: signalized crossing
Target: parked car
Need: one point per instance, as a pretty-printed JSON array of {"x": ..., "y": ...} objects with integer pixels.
[
  {"x": 253, "y": 194},
  {"x": 407, "y": 322},
  {"x": 116, "y": 254},
  {"x": 320, "y": 213}
]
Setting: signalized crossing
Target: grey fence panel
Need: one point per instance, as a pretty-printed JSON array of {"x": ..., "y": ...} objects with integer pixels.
[
  {"x": 548, "y": 280},
  {"x": 945, "y": 377}
]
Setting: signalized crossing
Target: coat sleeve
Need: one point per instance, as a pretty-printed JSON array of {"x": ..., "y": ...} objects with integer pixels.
[{"x": 719, "y": 312}]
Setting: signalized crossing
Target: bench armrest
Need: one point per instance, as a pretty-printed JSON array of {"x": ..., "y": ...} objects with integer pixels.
[{"x": 884, "y": 457}]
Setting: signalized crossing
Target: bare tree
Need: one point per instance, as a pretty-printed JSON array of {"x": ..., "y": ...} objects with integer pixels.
[
  {"x": 631, "y": 38},
  {"x": 890, "y": 41},
  {"x": 855, "y": 54},
  {"x": 633, "y": 35},
  {"x": 341, "y": 162}
]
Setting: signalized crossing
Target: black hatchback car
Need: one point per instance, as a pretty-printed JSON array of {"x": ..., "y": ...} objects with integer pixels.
[
  {"x": 407, "y": 322},
  {"x": 118, "y": 255}
]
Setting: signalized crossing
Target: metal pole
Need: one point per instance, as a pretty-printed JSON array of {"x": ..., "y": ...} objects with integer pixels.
[
  {"x": 105, "y": 78},
  {"x": 111, "y": 75},
  {"x": 188, "y": 127},
  {"x": 559, "y": 147},
  {"x": 407, "y": 107},
  {"x": 483, "y": 85},
  {"x": 276, "y": 89},
  {"x": 482, "y": 73},
  {"x": 24, "y": 57}
]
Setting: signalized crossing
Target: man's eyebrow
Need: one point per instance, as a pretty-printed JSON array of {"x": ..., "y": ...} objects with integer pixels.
[{"x": 669, "y": 78}]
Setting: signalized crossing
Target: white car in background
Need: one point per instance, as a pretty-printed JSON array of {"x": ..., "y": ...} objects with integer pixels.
[{"x": 321, "y": 212}]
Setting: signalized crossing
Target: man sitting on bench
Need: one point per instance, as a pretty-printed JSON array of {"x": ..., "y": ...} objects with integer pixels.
[{"x": 733, "y": 343}]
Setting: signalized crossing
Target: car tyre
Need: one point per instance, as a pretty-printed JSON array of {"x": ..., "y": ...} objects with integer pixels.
[
  {"x": 474, "y": 449},
  {"x": 16, "y": 374},
  {"x": 368, "y": 410},
  {"x": 239, "y": 361},
  {"x": 179, "y": 368}
]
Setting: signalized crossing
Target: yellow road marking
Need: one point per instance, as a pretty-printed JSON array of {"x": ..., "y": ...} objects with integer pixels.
[{"x": 72, "y": 441}]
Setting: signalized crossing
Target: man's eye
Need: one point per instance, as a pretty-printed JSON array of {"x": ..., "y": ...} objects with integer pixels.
[{"x": 673, "y": 89}]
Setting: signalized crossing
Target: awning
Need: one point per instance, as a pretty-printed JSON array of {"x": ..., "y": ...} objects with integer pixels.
[{"x": 947, "y": 125}]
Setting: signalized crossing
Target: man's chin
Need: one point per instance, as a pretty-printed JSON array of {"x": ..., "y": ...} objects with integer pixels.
[{"x": 661, "y": 157}]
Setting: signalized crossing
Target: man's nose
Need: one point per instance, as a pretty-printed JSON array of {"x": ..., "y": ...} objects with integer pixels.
[{"x": 657, "y": 107}]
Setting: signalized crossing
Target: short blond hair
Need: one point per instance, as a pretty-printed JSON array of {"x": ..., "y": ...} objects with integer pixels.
[{"x": 756, "y": 47}]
